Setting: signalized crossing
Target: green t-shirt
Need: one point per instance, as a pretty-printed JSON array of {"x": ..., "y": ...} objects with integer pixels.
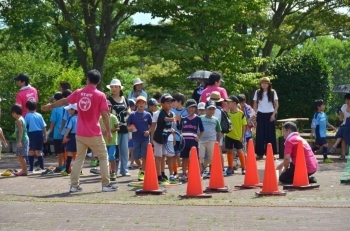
[
  {"x": 24, "y": 130},
  {"x": 113, "y": 123}
]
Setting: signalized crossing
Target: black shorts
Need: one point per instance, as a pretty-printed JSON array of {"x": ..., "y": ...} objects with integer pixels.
[
  {"x": 36, "y": 141},
  {"x": 59, "y": 148},
  {"x": 186, "y": 152},
  {"x": 71, "y": 145},
  {"x": 231, "y": 143},
  {"x": 320, "y": 141}
]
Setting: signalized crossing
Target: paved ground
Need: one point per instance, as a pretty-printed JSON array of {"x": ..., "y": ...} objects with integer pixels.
[{"x": 42, "y": 203}]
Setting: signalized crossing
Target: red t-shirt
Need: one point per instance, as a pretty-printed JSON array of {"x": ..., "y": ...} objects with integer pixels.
[
  {"x": 25, "y": 94},
  {"x": 291, "y": 146},
  {"x": 90, "y": 103}
]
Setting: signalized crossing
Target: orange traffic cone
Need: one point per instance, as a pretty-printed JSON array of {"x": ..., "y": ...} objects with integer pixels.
[
  {"x": 194, "y": 184},
  {"x": 150, "y": 183},
  {"x": 301, "y": 178},
  {"x": 217, "y": 182},
  {"x": 251, "y": 178},
  {"x": 270, "y": 184}
]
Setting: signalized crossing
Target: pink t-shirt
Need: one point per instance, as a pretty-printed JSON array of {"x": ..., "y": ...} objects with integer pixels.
[
  {"x": 291, "y": 146},
  {"x": 25, "y": 94},
  {"x": 206, "y": 93},
  {"x": 90, "y": 103}
]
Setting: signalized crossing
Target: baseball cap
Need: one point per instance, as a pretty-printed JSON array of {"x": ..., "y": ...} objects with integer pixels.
[
  {"x": 71, "y": 106},
  {"x": 232, "y": 98},
  {"x": 241, "y": 97},
  {"x": 166, "y": 97},
  {"x": 191, "y": 103},
  {"x": 152, "y": 102},
  {"x": 210, "y": 104},
  {"x": 22, "y": 77},
  {"x": 141, "y": 98},
  {"x": 131, "y": 102},
  {"x": 201, "y": 105}
]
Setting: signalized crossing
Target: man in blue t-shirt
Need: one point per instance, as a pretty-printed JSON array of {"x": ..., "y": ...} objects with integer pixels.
[{"x": 139, "y": 123}]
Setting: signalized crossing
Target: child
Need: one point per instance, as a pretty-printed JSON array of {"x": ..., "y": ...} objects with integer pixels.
[
  {"x": 201, "y": 109},
  {"x": 212, "y": 134},
  {"x": 152, "y": 106},
  {"x": 139, "y": 123},
  {"x": 69, "y": 136},
  {"x": 21, "y": 138},
  {"x": 55, "y": 125},
  {"x": 162, "y": 124},
  {"x": 111, "y": 146},
  {"x": 344, "y": 115},
  {"x": 132, "y": 106},
  {"x": 235, "y": 138},
  {"x": 189, "y": 127},
  {"x": 37, "y": 135},
  {"x": 319, "y": 129},
  {"x": 178, "y": 111}
]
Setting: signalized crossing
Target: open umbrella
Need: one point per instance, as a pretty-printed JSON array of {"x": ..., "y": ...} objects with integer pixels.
[
  {"x": 342, "y": 88},
  {"x": 199, "y": 75}
]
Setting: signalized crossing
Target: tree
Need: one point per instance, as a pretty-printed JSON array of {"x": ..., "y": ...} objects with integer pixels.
[{"x": 300, "y": 78}]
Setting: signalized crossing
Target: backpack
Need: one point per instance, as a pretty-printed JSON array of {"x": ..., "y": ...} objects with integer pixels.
[{"x": 226, "y": 125}]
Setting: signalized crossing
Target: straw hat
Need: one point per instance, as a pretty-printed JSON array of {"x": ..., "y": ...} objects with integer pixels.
[
  {"x": 115, "y": 82},
  {"x": 265, "y": 80},
  {"x": 215, "y": 96}
]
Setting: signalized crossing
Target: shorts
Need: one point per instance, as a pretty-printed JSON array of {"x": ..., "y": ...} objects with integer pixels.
[
  {"x": 159, "y": 149},
  {"x": 231, "y": 143},
  {"x": 207, "y": 149},
  {"x": 130, "y": 144},
  {"x": 320, "y": 141},
  {"x": 23, "y": 151},
  {"x": 341, "y": 132},
  {"x": 111, "y": 152},
  {"x": 36, "y": 140},
  {"x": 71, "y": 145},
  {"x": 177, "y": 148},
  {"x": 187, "y": 150},
  {"x": 140, "y": 149},
  {"x": 59, "y": 147}
]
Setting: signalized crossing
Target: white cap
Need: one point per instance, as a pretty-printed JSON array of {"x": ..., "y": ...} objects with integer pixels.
[
  {"x": 71, "y": 106},
  {"x": 201, "y": 105}
]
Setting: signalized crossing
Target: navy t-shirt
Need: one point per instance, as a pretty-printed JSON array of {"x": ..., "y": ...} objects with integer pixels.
[
  {"x": 141, "y": 121},
  {"x": 162, "y": 126},
  {"x": 189, "y": 128}
]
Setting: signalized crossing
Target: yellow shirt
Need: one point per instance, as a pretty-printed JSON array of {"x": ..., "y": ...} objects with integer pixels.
[{"x": 238, "y": 120}]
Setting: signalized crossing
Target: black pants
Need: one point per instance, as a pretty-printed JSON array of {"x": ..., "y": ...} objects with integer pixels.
[
  {"x": 287, "y": 176},
  {"x": 265, "y": 133}
]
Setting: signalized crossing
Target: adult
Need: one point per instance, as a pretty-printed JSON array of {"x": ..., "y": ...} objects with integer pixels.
[
  {"x": 292, "y": 137},
  {"x": 121, "y": 109},
  {"x": 92, "y": 103},
  {"x": 137, "y": 90},
  {"x": 197, "y": 92},
  {"x": 214, "y": 83},
  {"x": 266, "y": 106},
  {"x": 26, "y": 92}
]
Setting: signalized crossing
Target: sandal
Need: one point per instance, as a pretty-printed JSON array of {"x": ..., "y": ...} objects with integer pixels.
[{"x": 20, "y": 173}]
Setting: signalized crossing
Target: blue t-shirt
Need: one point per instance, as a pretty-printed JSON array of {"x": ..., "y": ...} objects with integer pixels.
[
  {"x": 34, "y": 121},
  {"x": 65, "y": 118},
  {"x": 141, "y": 121},
  {"x": 183, "y": 112},
  {"x": 319, "y": 123},
  {"x": 189, "y": 129},
  {"x": 72, "y": 124},
  {"x": 56, "y": 118}
]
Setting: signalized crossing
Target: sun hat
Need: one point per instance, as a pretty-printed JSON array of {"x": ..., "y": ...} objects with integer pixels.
[
  {"x": 137, "y": 81},
  {"x": 215, "y": 96},
  {"x": 115, "y": 82},
  {"x": 265, "y": 80}
]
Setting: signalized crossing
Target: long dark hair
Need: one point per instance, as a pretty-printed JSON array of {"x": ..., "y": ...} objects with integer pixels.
[{"x": 270, "y": 93}]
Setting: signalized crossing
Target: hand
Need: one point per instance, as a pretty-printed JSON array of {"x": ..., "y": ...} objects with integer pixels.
[
  {"x": 272, "y": 117},
  {"x": 196, "y": 139},
  {"x": 311, "y": 135},
  {"x": 64, "y": 140},
  {"x": 334, "y": 128},
  {"x": 45, "y": 139},
  {"x": 279, "y": 167},
  {"x": 146, "y": 133},
  {"x": 109, "y": 136},
  {"x": 46, "y": 107},
  {"x": 19, "y": 144},
  {"x": 5, "y": 144},
  {"x": 178, "y": 118}
]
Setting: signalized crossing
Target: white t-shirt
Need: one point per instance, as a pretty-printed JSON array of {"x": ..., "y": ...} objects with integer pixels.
[
  {"x": 346, "y": 114},
  {"x": 155, "y": 119},
  {"x": 264, "y": 105}
]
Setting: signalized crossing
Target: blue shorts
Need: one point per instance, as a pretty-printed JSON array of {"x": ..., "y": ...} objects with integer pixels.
[
  {"x": 140, "y": 149},
  {"x": 111, "y": 152},
  {"x": 130, "y": 144},
  {"x": 320, "y": 141},
  {"x": 36, "y": 140},
  {"x": 71, "y": 145},
  {"x": 341, "y": 132}
]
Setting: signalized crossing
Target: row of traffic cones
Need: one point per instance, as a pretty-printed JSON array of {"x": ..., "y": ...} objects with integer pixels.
[{"x": 217, "y": 182}]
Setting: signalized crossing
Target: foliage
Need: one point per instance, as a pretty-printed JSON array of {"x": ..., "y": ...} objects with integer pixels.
[{"x": 300, "y": 78}]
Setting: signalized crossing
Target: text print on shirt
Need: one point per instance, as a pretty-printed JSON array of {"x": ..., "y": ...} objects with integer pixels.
[{"x": 85, "y": 101}]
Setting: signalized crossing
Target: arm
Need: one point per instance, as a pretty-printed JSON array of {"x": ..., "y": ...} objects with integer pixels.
[
  {"x": 153, "y": 127},
  {"x": 20, "y": 133},
  {"x": 65, "y": 135},
  {"x": 341, "y": 116},
  {"x": 255, "y": 105},
  {"x": 2, "y": 138},
  {"x": 331, "y": 126},
  {"x": 244, "y": 127},
  {"x": 285, "y": 163},
  {"x": 44, "y": 132},
  {"x": 218, "y": 136},
  {"x": 58, "y": 103},
  {"x": 52, "y": 124},
  {"x": 276, "y": 105}
]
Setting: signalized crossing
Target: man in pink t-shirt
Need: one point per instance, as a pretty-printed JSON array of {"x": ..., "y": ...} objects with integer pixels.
[
  {"x": 91, "y": 104},
  {"x": 26, "y": 92},
  {"x": 292, "y": 138},
  {"x": 213, "y": 85}
]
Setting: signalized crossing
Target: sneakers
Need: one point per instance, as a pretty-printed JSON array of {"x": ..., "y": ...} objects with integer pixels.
[
  {"x": 64, "y": 173},
  {"x": 342, "y": 157},
  {"x": 109, "y": 188},
  {"x": 312, "y": 180},
  {"x": 141, "y": 175},
  {"x": 6, "y": 173},
  {"x": 47, "y": 172},
  {"x": 243, "y": 171},
  {"x": 327, "y": 161},
  {"x": 332, "y": 150},
  {"x": 73, "y": 189},
  {"x": 184, "y": 178},
  {"x": 164, "y": 177},
  {"x": 93, "y": 163},
  {"x": 172, "y": 178},
  {"x": 126, "y": 174},
  {"x": 94, "y": 171},
  {"x": 113, "y": 176},
  {"x": 229, "y": 171}
]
